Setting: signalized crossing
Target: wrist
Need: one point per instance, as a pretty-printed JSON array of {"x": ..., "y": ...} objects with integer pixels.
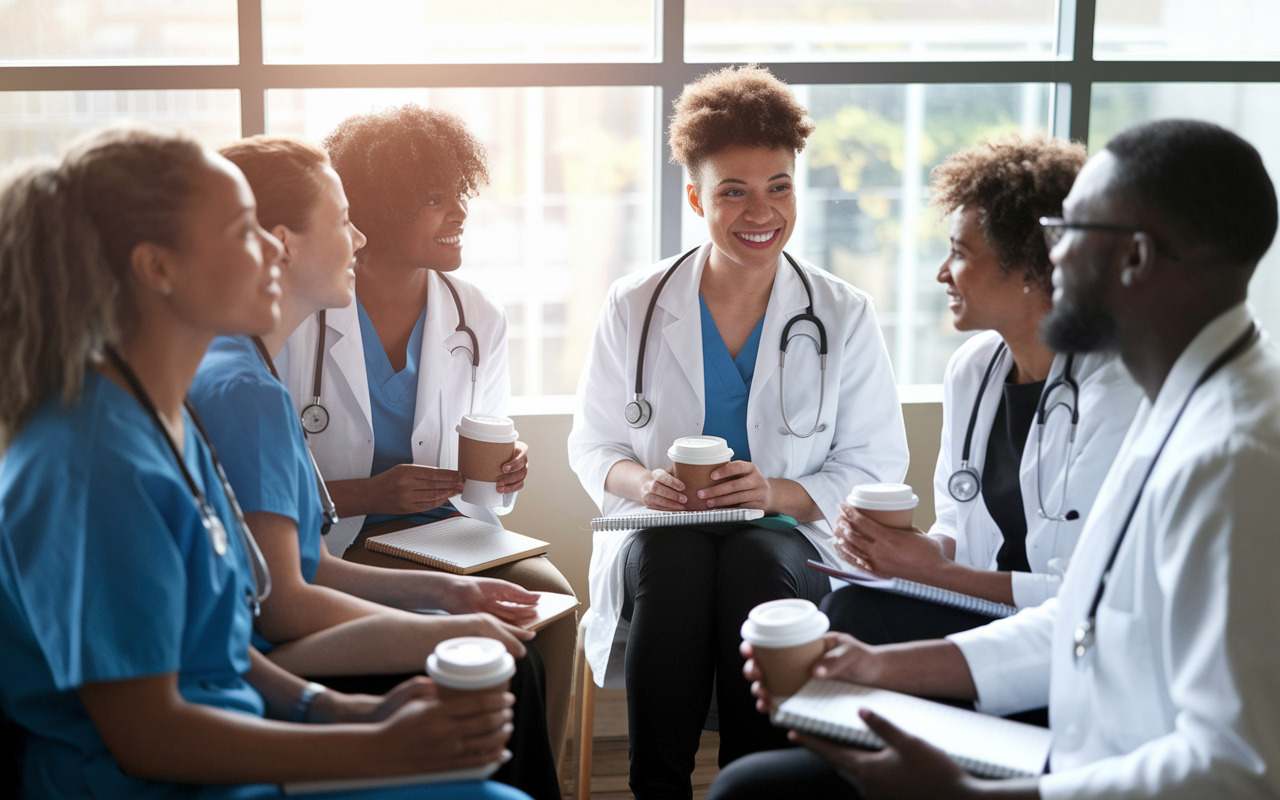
[{"x": 310, "y": 702}]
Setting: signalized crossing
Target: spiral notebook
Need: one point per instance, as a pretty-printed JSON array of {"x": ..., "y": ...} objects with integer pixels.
[
  {"x": 987, "y": 746},
  {"x": 921, "y": 591},
  {"x": 674, "y": 519},
  {"x": 460, "y": 545}
]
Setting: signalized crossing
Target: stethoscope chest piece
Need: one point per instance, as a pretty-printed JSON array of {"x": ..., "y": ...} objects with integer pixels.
[
  {"x": 315, "y": 418},
  {"x": 638, "y": 412},
  {"x": 216, "y": 530},
  {"x": 964, "y": 483}
]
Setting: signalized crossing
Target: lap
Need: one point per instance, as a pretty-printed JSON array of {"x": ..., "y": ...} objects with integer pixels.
[
  {"x": 794, "y": 772},
  {"x": 879, "y": 617},
  {"x": 457, "y": 790}
]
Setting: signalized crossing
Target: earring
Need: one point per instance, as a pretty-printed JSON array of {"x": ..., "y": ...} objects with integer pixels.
[
  {"x": 1026, "y": 289},
  {"x": 1128, "y": 275}
]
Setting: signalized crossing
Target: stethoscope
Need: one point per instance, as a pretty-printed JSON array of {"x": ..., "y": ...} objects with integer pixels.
[
  {"x": 260, "y": 574},
  {"x": 326, "y": 502},
  {"x": 639, "y": 411},
  {"x": 315, "y": 417},
  {"x": 965, "y": 483},
  {"x": 1085, "y": 633}
]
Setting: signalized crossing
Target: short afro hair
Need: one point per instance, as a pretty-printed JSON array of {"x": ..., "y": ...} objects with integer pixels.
[
  {"x": 742, "y": 106},
  {"x": 1203, "y": 181},
  {"x": 393, "y": 161},
  {"x": 1011, "y": 181}
]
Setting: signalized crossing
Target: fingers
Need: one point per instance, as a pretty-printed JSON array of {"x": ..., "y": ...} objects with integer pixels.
[
  {"x": 519, "y": 462},
  {"x": 518, "y": 632},
  {"x": 477, "y": 704},
  {"x": 894, "y": 736},
  {"x": 419, "y": 687},
  {"x": 840, "y": 659},
  {"x": 509, "y": 592},
  {"x": 667, "y": 479}
]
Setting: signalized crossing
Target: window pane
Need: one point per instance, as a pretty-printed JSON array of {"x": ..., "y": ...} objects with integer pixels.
[
  {"x": 1249, "y": 109},
  {"x": 43, "y": 123},
  {"x": 864, "y": 213},
  {"x": 118, "y": 32},
  {"x": 868, "y": 30},
  {"x": 479, "y": 31},
  {"x": 569, "y": 208},
  {"x": 1177, "y": 29}
]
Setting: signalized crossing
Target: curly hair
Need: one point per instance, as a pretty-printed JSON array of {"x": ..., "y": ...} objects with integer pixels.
[
  {"x": 393, "y": 161},
  {"x": 286, "y": 175},
  {"x": 743, "y": 106},
  {"x": 1012, "y": 180}
]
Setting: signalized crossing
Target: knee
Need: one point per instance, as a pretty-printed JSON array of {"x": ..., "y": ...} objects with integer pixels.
[
  {"x": 851, "y": 608},
  {"x": 671, "y": 554},
  {"x": 748, "y": 778}
]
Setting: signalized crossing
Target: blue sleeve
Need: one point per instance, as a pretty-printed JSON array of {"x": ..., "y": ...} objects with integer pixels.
[
  {"x": 251, "y": 425},
  {"x": 99, "y": 568}
]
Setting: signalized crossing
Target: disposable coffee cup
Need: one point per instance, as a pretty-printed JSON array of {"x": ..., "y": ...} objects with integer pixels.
[
  {"x": 890, "y": 504},
  {"x": 693, "y": 459},
  {"x": 470, "y": 664},
  {"x": 786, "y": 636},
  {"x": 484, "y": 444}
]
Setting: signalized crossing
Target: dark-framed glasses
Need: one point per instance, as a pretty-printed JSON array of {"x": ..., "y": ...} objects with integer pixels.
[{"x": 1056, "y": 227}]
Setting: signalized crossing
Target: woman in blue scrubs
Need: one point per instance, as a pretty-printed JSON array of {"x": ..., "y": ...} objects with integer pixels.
[{"x": 126, "y": 582}]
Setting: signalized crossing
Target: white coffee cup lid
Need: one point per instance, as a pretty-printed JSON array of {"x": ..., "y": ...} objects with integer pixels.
[
  {"x": 784, "y": 623},
  {"x": 700, "y": 450},
  {"x": 883, "y": 497},
  {"x": 483, "y": 428},
  {"x": 470, "y": 662}
]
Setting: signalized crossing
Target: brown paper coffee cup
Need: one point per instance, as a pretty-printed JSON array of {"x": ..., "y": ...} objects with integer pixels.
[
  {"x": 695, "y": 477},
  {"x": 482, "y": 461},
  {"x": 890, "y": 519},
  {"x": 446, "y": 694},
  {"x": 786, "y": 669}
]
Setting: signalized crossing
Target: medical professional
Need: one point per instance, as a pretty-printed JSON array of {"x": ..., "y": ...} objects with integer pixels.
[
  {"x": 1157, "y": 656},
  {"x": 398, "y": 368},
  {"x": 1027, "y": 434},
  {"x": 128, "y": 581},
  {"x": 802, "y": 433},
  {"x": 331, "y": 617}
]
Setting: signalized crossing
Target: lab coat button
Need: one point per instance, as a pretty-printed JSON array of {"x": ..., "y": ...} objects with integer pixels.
[{"x": 757, "y": 426}]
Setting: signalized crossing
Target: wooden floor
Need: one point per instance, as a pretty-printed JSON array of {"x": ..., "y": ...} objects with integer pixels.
[{"x": 609, "y": 768}]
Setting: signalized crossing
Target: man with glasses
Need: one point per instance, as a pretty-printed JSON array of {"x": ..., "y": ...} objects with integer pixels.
[{"x": 1158, "y": 656}]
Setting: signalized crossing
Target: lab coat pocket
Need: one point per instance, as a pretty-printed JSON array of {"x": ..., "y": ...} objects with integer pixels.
[{"x": 1126, "y": 687}]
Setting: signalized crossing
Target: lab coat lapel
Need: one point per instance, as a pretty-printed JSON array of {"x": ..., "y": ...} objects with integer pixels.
[
  {"x": 348, "y": 355},
  {"x": 433, "y": 362},
  {"x": 683, "y": 333},
  {"x": 786, "y": 299}
]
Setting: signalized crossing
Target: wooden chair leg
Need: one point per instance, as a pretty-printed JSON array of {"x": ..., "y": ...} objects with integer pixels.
[{"x": 585, "y": 703}]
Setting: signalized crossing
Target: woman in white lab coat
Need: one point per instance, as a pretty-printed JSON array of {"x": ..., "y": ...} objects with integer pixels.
[
  {"x": 415, "y": 352},
  {"x": 674, "y": 600},
  {"x": 1011, "y": 494}
]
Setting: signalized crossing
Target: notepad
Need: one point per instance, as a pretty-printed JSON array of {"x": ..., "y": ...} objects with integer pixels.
[
  {"x": 921, "y": 591},
  {"x": 551, "y": 607},
  {"x": 354, "y": 784},
  {"x": 987, "y": 746},
  {"x": 672, "y": 519},
  {"x": 460, "y": 545}
]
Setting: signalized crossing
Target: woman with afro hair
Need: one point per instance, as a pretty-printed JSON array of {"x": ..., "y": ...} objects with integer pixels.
[
  {"x": 398, "y": 370},
  {"x": 1007, "y": 526},
  {"x": 674, "y": 600}
]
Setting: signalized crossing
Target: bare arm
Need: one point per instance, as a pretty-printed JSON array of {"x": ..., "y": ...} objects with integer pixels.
[
  {"x": 403, "y": 489},
  {"x": 155, "y": 734}
]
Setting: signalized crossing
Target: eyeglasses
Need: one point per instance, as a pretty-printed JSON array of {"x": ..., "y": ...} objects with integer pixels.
[{"x": 1056, "y": 227}]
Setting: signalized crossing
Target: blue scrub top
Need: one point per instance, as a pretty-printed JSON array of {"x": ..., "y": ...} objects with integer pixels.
[
  {"x": 727, "y": 384},
  {"x": 257, "y": 435},
  {"x": 393, "y": 401}
]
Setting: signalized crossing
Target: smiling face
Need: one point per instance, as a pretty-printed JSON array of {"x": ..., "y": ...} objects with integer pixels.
[
  {"x": 982, "y": 296},
  {"x": 320, "y": 268},
  {"x": 747, "y": 197},
  {"x": 222, "y": 280},
  {"x": 433, "y": 239}
]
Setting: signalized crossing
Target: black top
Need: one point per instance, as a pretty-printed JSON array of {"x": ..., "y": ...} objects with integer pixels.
[{"x": 1001, "y": 486}]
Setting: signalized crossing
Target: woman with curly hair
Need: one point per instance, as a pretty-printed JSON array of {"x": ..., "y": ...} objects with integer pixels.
[
  {"x": 397, "y": 368},
  {"x": 674, "y": 601},
  {"x": 1023, "y": 452}
]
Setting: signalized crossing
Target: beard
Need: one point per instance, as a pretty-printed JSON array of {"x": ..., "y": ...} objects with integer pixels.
[{"x": 1079, "y": 323}]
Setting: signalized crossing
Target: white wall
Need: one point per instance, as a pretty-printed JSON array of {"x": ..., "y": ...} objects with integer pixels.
[{"x": 553, "y": 505}]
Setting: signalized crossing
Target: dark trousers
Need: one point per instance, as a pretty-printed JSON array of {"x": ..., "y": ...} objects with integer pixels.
[
  {"x": 688, "y": 591},
  {"x": 781, "y": 774},
  {"x": 531, "y": 768}
]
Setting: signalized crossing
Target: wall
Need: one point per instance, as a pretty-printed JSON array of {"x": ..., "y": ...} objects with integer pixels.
[{"x": 553, "y": 505}]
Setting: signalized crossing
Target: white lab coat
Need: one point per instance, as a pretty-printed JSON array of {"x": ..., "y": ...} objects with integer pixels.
[
  {"x": 1180, "y": 696},
  {"x": 864, "y": 440},
  {"x": 1108, "y": 400},
  {"x": 345, "y": 449}
]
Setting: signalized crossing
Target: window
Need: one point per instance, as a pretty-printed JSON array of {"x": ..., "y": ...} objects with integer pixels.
[{"x": 571, "y": 97}]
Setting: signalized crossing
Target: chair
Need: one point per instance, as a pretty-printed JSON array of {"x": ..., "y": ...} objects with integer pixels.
[{"x": 583, "y": 709}]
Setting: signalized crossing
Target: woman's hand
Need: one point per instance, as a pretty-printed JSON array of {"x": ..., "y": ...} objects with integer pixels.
[
  {"x": 743, "y": 487},
  {"x": 908, "y": 768},
  {"x": 331, "y": 706},
  {"x": 482, "y": 624},
  {"x": 514, "y": 471},
  {"x": 844, "y": 657},
  {"x": 662, "y": 491},
  {"x": 412, "y": 489},
  {"x": 888, "y": 552},
  {"x": 502, "y": 599},
  {"x": 434, "y": 736}
]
